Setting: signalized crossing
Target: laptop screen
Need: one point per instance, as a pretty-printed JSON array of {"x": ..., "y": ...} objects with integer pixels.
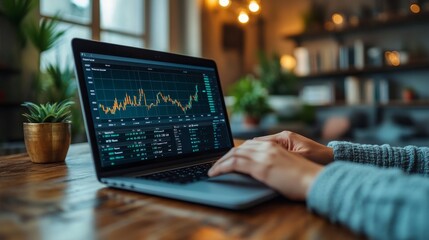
[{"x": 145, "y": 110}]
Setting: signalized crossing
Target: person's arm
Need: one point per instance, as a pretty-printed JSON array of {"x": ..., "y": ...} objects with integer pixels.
[
  {"x": 410, "y": 159},
  {"x": 381, "y": 203}
]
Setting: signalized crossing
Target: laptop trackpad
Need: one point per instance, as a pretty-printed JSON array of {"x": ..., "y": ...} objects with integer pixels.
[{"x": 236, "y": 179}]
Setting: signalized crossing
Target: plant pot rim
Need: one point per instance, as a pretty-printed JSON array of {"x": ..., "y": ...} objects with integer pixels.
[{"x": 58, "y": 123}]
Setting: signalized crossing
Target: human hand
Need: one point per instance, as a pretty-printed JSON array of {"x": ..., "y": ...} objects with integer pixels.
[
  {"x": 306, "y": 147},
  {"x": 288, "y": 173}
]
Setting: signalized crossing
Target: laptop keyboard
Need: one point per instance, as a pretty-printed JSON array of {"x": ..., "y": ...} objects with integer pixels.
[{"x": 181, "y": 175}]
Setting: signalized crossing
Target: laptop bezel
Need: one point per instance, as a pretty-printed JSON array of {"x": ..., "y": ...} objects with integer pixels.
[{"x": 88, "y": 46}]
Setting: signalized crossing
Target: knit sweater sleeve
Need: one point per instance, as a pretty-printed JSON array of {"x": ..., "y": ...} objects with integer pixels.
[
  {"x": 410, "y": 159},
  {"x": 381, "y": 203}
]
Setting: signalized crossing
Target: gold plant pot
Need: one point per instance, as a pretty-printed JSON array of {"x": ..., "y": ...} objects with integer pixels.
[{"x": 47, "y": 142}]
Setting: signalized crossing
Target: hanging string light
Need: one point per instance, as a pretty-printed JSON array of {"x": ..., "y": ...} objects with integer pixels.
[
  {"x": 224, "y": 3},
  {"x": 242, "y": 8},
  {"x": 254, "y": 6},
  {"x": 243, "y": 17}
]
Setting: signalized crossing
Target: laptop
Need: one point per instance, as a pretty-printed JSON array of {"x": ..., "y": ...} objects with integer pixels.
[{"x": 156, "y": 122}]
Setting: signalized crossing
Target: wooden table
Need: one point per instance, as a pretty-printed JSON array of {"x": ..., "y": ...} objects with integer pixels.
[{"x": 65, "y": 201}]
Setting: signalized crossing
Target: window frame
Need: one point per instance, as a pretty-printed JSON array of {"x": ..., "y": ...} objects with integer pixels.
[{"x": 95, "y": 23}]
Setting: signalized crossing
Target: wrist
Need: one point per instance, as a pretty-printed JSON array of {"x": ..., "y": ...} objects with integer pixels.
[
  {"x": 329, "y": 154},
  {"x": 311, "y": 178}
]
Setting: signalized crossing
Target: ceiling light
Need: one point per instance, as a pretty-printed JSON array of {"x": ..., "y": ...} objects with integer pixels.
[
  {"x": 243, "y": 17},
  {"x": 254, "y": 6},
  {"x": 224, "y": 3}
]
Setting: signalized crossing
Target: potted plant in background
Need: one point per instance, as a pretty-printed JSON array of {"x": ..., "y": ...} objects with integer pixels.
[
  {"x": 12, "y": 15},
  {"x": 47, "y": 133},
  {"x": 250, "y": 99},
  {"x": 60, "y": 83},
  {"x": 44, "y": 36},
  {"x": 282, "y": 85},
  {"x": 55, "y": 82}
]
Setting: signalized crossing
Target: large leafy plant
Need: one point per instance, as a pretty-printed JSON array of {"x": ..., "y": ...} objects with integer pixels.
[
  {"x": 58, "y": 84},
  {"x": 48, "y": 113},
  {"x": 250, "y": 97},
  {"x": 16, "y": 10},
  {"x": 274, "y": 78},
  {"x": 45, "y": 35}
]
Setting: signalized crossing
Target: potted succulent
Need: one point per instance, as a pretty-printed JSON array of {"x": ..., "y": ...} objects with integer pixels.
[
  {"x": 250, "y": 99},
  {"x": 47, "y": 133}
]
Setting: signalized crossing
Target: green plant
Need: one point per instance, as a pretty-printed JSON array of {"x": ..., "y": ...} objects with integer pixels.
[
  {"x": 48, "y": 113},
  {"x": 16, "y": 10},
  {"x": 274, "y": 78},
  {"x": 58, "y": 84},
  {"x": 44, "y": 35},
  {"x": 250, "y": 97}
]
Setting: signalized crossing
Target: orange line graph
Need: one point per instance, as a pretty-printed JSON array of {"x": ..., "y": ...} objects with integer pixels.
[{"x": 140, "y": 100}]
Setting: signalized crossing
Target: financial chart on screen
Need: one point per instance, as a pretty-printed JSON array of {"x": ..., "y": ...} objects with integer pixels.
[{"x": 148, "y": 109}]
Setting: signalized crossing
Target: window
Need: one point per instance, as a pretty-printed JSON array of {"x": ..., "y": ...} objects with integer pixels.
[{"x": 115, "y": 21}]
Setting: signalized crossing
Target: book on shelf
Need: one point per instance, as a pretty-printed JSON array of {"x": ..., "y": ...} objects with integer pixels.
[
  {"x": 352, "y": 90},
  {"x": 359, "y": 54},
  {"x": 318, "y": 94},
  {"x": 315, "y": 61},
  {"x": 384, "y": 91},
  {"x": 302, "y": 56},
  {"x": 369, "y": 91},
  {"x": 330, "y": 59},
  {"x": 352, "y": 56}
]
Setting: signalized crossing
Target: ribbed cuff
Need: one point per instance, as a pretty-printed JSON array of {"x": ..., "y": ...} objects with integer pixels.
[{"x": 343, "y": 151}]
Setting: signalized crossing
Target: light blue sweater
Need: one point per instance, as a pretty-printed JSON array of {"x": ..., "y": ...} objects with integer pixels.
[{"x": 381, "y": 191}]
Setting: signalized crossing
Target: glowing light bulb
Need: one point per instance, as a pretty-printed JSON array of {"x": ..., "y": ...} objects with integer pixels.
[
  {"x": 224, "y": 3},
  {"x": 288, "y": 62},
  {"x": 337, "y": 18},
  {"x": 243, "y": 17},
  {"x": 393, "y": 58},
  {"x": 414, "y": 8},
  {"x": 254, "y": 6}
]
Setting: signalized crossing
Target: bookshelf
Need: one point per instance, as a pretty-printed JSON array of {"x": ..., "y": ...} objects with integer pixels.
[
  {"x": 356, "y": 62},
  {"x": 390, "y": 104},
  {"x": 339, "y": 74},
  {"x": 382, "y": 81},
  {"x": 368, "y": 26}
]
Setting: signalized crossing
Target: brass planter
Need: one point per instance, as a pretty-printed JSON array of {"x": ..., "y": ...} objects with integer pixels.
[{"x": 47, "y": 142}]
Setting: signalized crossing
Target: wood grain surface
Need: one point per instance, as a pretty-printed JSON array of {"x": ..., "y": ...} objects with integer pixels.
[{"x": 65, "y": 201}]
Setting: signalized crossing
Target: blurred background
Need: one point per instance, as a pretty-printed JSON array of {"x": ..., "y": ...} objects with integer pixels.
[{"x": 328, "y": 69}]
